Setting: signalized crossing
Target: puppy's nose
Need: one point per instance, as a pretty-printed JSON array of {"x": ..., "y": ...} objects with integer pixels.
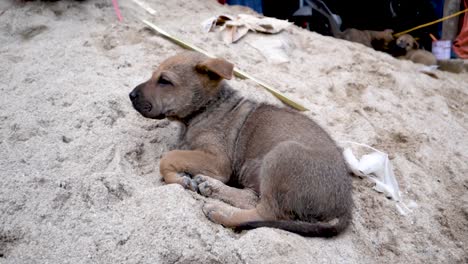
[{"x": 134, "y": 95}]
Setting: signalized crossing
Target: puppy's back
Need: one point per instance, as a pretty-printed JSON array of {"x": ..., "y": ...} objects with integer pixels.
[
  {"x": 268, "y": 125},
  {"x": 421, "y": 56}
]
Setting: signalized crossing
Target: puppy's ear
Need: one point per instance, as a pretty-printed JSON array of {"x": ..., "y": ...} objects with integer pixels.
[
  {"x": 216, "y": 68},
  {"x": 415, "y": 44}
]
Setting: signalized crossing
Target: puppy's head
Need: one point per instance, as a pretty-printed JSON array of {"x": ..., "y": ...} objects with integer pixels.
[
  {"x": 181, "y": 85},
  {"x": 407, "y": 42}
]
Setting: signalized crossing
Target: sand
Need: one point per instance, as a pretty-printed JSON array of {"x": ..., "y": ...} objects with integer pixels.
[{"x": 79, "y": 178}]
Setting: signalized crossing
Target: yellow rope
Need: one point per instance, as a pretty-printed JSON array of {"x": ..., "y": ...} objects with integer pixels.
[{"x": 430, "y": 23}]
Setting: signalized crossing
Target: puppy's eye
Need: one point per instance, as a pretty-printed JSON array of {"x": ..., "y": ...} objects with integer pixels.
[{"x": 164, "y": 81}]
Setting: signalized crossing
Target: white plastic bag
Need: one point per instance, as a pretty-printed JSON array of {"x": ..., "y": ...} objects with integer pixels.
[{"x": 377, "y": 167}]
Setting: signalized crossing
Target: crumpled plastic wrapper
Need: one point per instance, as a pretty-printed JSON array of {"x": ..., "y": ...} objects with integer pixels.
[
  {"x": 234, "y": 28},
  {"x": 377, "y": 167},
  {"x": 275, "y": 49}
]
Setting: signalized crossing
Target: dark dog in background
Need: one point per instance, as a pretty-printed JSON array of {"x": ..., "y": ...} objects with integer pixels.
[{"x": 290, "y": 173}]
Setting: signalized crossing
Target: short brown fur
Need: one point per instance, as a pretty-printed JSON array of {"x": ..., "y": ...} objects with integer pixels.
[
  {"x": 413, "y": 53},
  {"x": 366, "y": 37},
  {"x": 287, "y": 170}
]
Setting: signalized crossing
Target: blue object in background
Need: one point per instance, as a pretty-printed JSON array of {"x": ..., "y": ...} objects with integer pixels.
[
  {"x": 438, "y": 6},
  {"x": 254, "y": 4}
]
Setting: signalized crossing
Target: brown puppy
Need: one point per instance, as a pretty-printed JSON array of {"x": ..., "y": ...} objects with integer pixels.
[
  {"x": 413, "y": 53},
  {"x": 290, "y": 173},
  {"x": 368, "y": 38}
]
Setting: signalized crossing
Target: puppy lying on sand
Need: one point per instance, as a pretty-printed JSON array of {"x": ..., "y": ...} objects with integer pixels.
[
  {"x": 412, "y": 51},
  {"x": 289, "y": 172},
  {"x": 369, "y": 38},
  {"x": 377, "y": 40}
]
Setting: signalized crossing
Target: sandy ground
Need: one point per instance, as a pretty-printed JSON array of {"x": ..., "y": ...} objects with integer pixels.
[{"x": 79, "y": 180}]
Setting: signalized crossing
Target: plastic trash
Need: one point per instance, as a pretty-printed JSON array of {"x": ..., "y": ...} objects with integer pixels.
[
  {"x": 377, "y": 167},
  {"x": 233, "y": 28}
]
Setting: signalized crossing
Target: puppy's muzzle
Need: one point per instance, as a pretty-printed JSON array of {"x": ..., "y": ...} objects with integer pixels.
[
  {"x": 139, "y": 103},
  {"x": 134, "y": 95},
  {"x": 402, "y": 44},
  {"x": 143, "y": 106}
]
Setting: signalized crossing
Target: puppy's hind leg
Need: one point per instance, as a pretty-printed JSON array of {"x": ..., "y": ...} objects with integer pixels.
[
  {"x": 303, "y": 190},
  {"x": 240, "y": 198},
  {"x": 230, "y": 216}
]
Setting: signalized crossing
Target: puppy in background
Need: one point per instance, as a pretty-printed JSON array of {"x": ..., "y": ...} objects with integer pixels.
[
  {"x": 410, "y": 51},
  {"x": 377, "y": 40},
  {"x": 370, "y": 38}
]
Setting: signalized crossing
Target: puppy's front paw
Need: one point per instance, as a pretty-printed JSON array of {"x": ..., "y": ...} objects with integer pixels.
[
  {"x": 189, "y": 183},
  {"x": 207, "y": 186}
]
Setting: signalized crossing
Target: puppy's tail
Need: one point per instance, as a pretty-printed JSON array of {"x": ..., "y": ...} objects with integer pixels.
[{"x": 317, "y": 229}]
